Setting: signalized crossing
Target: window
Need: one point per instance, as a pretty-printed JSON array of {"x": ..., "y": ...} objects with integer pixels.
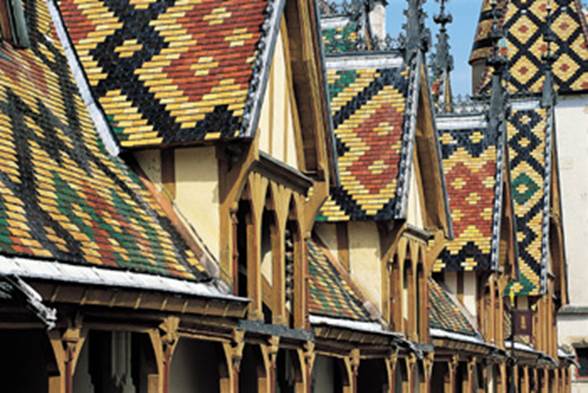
[
  {"x": 583, "y": 360},
  {"x": 13, "y": 26}
]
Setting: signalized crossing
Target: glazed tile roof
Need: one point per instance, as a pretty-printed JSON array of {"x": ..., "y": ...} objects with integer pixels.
[
  {"x": 342, "y": 38},
  {"x": 62, "y": 197},
  {"x": 169, "y": 72},
  {"x": 331, "y": 294},
  {"x": 529, "y": 145},
  {"x": 470, "y": 167},
  {"x": 368, "y": 106},
  {"x": 445, "y": 313},
  {"x": 524, "y": 24}
]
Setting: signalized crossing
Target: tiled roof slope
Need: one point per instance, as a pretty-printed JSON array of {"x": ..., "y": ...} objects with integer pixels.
[
  {"x": 524, "y": 24},
  {"x": 168, "y": 72},
  {"x": 529, "y": 144},
  {"x": 470, "y": 167},
  {"x": 342, "y": 38},
  {"x": 445, "y": 313},
  {"x": 331, "y": 294},
  {"x": 368, "y": 107},
  {"x": 62, "y": 197}
]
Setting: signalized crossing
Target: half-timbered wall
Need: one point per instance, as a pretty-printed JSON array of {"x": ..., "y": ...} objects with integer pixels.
[{"x": 365, "y": 259}]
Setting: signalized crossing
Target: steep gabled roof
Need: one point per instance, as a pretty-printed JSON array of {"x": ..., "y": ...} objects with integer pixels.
[
  {"x": 170, "y": 72},
  {"x": 524, "y": 22},
  {"x": 472, "y": 163},
  {"x": 446, "y": 314},
  {"x": 530, "y": 138},
  {"x": 62, "y": 197},
  {"x": 331, "y": 292},
  {"x": 369, "y": 105}
]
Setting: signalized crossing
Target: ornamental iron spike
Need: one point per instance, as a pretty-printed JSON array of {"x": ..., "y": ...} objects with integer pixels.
[
  {"x": 442, "y": 61},
  {"x": 417, "y": 37},
  {"x": 549, "y": 95},
  {"x": 497, "y": 113}
]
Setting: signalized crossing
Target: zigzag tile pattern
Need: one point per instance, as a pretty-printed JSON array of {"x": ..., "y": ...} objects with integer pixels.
[
  {"x": 168, "y": 72},
  {"x": 368, "y": 108},
  {"x": 525, "y": 26},
  {"x": 469, "y": 164},
  {"x": 527, "y": 144},
  {"x": 62, "y": 197},
  {"x": 330, "y": 292},
  {"x": 445, "y": 314}
]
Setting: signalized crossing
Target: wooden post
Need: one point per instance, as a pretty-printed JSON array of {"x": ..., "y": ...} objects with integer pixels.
[
  {"x": 309, "y": 357},
  {"x": 451, "y": 376},
  {"x": 470, "y": 370},
  {"x": 270, "y": 356},
  {"x": 391, "y": 362},
  {"x": 233, "y": 351},
  {"x": 164, "y": 340},
  {"x": 66, "y": 346}
]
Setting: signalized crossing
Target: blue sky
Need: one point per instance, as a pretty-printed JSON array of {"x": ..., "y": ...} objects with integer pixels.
[{"x": 465, "y": 17}]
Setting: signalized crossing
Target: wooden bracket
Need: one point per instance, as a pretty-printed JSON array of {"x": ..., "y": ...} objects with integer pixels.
[
  {"x": 164, "y": 340},
  {"x": 66, "y": 345}
]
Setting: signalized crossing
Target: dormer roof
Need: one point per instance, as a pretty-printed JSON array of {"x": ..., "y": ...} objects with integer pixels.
[
  {"x": 524, "y": 23},
  {"x": 170, "y": 73}
]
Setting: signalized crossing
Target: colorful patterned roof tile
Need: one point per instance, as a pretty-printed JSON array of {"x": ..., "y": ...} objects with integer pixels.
[
  {"x": 529, "y": 144},
  {"x": 368, "y": 106},
  {"x": 170, "y": 72},
  {"x": 446, "y": 314},
  {"x": 331, "y": 294},
  {"x": 470, "y": 162},
  {"x": 342, "y": 38},
  {"x": 62, "y": 197},
  {"x": 524, "y": 22}
]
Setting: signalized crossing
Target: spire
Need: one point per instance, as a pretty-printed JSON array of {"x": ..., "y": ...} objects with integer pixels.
[
  {"x": 498, "y": 62},
  {"x": 443, "y": 61},
  {"x": 417, "y": 37},
  {"x": 549, "y": 58}
]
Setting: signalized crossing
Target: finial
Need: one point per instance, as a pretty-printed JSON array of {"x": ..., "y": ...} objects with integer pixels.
[
  {"x": 549, "y": 95},
  {"x": 499, "y": 63},
  {"x": 417, "y": 36},
  {"x": 442, "y": 61}
]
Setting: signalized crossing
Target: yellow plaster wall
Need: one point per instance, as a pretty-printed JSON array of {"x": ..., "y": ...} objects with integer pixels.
[
  {"x": 414, "y": 215},
  {"x": 328, "y": 234},
  {"x": 197, "y": 196},
  {"x": 276, "y": 123},
  {"x": 364, "y": 259},
  {"x": 470, "y": 287},
  {"x": 150, "y": 162}
]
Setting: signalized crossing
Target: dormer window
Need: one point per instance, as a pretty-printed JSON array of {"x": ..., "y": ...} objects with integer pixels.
[{"x": 13, "y": 26}]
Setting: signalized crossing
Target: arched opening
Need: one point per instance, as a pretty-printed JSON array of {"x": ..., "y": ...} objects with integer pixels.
[
  {"x": 294, "y": 269},
  {"x": 252, "y": 373},
  {"x": 418, "y": 381},
  {"x": 115, "y": 361},
  {"x": 440, "y": 378},
  {"x": 329, "y": 375},
  {"x": 401, "y": 377},
  {"x": 244, "y": 224},
  {"x": 267, "y": 247},
  {"x": 372, "y": 376},
  {"x": 396, "y": 296},
  {"x": 196, "y": 367},
  {"x": 23, "y": 366},
  {"x": 461, "y": 379},
  {"x": 407, "y": 288},
  {"x": 288, "y": 372},
  {"x": 420, "y": 310}
]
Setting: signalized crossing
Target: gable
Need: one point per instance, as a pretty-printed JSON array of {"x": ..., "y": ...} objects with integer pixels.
[
  {"x": 173, "y": 72},
  {"x": 62, "y": 196},
  {"x": 279, "y": 130},
  {"x": 470, "y": 167},
  {"x": 524, "y": 23},
  {"x": 368, "y": 108}
]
